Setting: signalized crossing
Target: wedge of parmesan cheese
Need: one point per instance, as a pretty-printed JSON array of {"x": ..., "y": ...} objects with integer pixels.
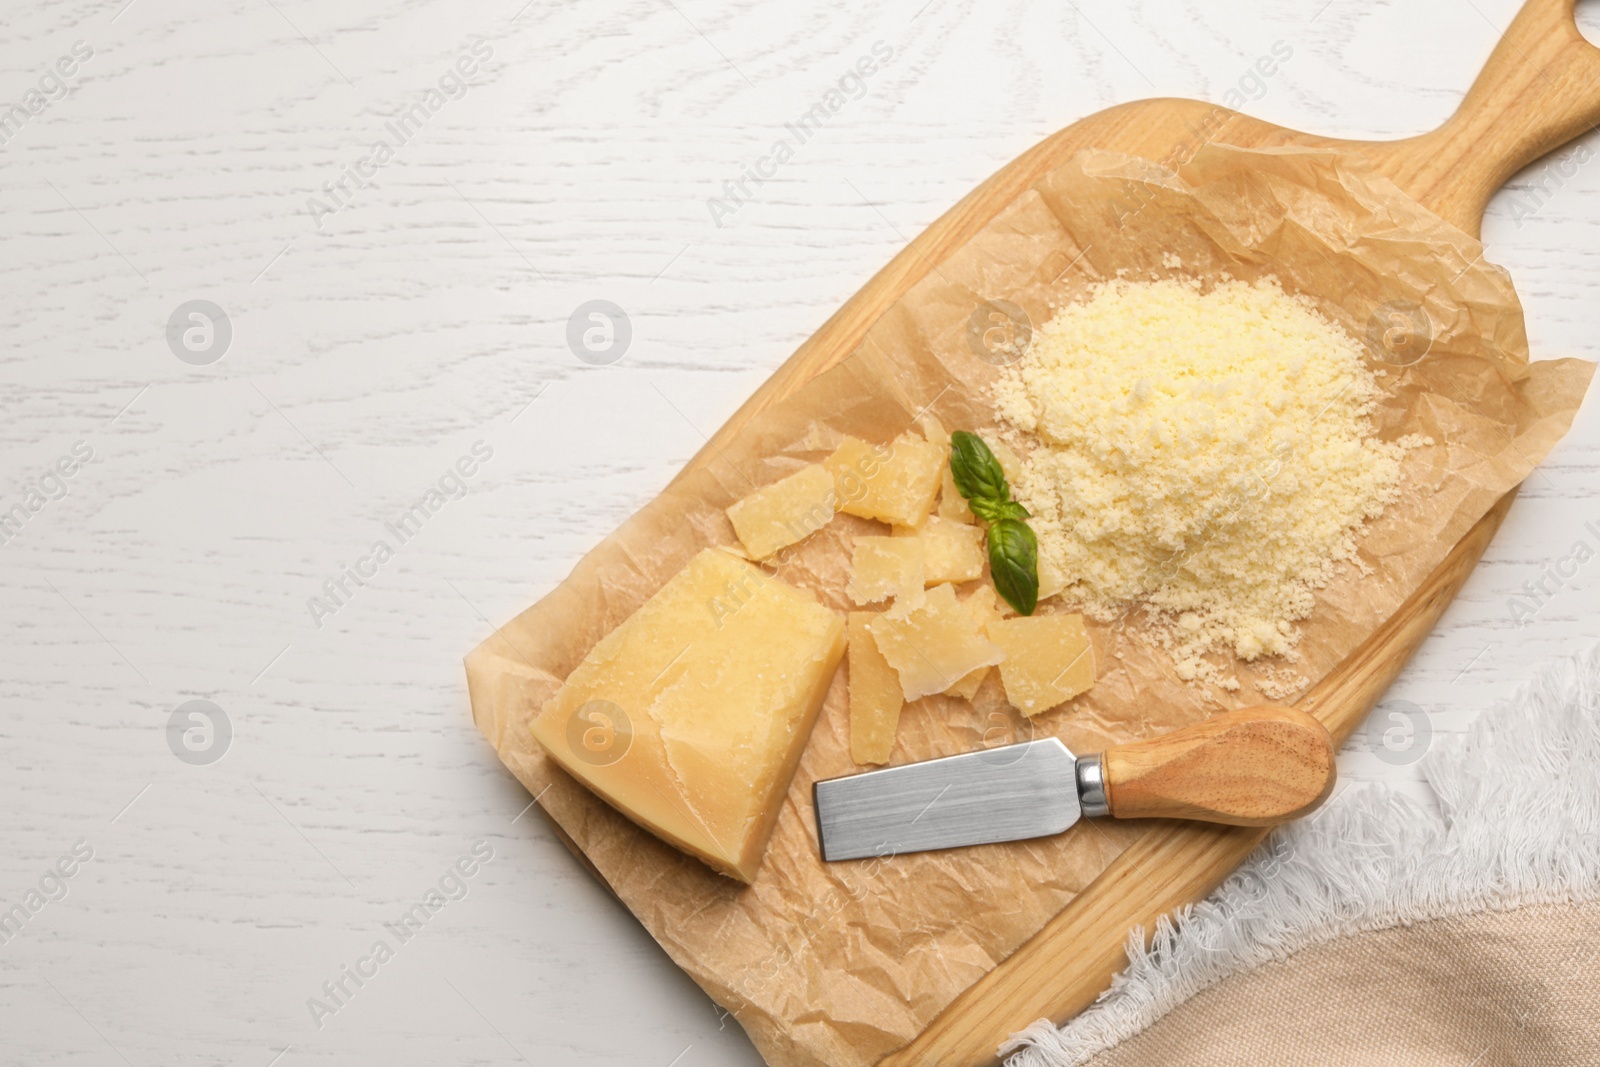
[
  {"x": 785, "y": 512},
  {"x": 984, "y": 605},
  {"x": 893, "y": 483},
  {"x": 1048, "y": 660},
  {"x": 934, "y": 646},
  {"x": 690, "y": 717},
  {"x": 875, "y": 697},
  {"x": 884, "y": 567},
  {"x": 951, "y": 551}
]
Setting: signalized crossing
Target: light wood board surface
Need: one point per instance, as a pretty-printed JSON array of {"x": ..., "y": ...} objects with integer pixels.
[
  {"x": 1539, "y": 89},
  {"x": 369, "y": 354}
]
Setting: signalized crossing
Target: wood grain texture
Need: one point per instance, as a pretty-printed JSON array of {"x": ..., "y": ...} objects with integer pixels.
[
  {"x": 1536, "y": 93},
  {"x": 371, "y": 350},
  {"x": 1249, "y": 767}
]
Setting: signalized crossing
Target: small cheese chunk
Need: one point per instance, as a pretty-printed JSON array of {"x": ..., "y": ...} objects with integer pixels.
[
  {"x": 893, "y": 483},
  {"x": 883, "y": 567},
  {"x": 875, "y": 697},
  {"x": 952, "y": 505},
  {"x": 951, "y": 551},
  {"x": 690, "y": 717},
  {"x": 1051, "y": 580},
  {"x": 785, "y": 512},
  {"x": 984, "y": 604},
  {"x": 933, "y": 646},
  {"x": 1010, "y": 462},
  {"x": 1048, "y": 660}
]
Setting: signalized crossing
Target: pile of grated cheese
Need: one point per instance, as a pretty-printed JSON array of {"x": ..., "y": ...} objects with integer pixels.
[{"x": 1207, "y": 454}]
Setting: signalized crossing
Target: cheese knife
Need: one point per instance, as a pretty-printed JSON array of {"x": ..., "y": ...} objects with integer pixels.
[{"x": 1252, "y": 767}]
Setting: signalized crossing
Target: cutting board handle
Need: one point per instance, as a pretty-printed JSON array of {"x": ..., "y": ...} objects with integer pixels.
[
  {"x": 1251, "y": 767},
  {"x": 1539, "y": 90}
]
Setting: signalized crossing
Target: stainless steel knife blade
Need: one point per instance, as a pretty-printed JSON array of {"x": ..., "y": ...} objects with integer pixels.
[{"x": 997, "y": 794}]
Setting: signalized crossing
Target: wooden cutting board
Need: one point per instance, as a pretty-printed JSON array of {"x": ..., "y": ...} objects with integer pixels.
[{"x": 1539, "y": 89}]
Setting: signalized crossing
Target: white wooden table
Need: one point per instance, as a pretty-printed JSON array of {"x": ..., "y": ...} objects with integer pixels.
[{"x": 376, "y": 338}]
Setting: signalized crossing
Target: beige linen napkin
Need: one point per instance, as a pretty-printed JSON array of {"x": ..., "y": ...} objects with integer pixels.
[{"x": 1490, "y": 989}]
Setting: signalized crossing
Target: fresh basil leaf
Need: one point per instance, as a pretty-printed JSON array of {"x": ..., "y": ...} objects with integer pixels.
[
  {"x": 1013, "y": 549},
  {"x": 986, "y": 509},
  {"x": 1014, "y": 564},
  {"x": 978, "y": 475},
  {"x": 995, "y": 510}
]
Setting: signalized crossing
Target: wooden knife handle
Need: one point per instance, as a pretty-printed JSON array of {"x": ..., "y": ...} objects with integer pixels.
[{"x": 1251, "y": 767}]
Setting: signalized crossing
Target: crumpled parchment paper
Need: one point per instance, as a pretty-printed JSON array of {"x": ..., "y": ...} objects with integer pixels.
[{"x": 840, "y": 964}]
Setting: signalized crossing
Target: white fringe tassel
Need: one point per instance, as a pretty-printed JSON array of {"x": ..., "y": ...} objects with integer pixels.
[{"x": 1520, "y": 824}]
